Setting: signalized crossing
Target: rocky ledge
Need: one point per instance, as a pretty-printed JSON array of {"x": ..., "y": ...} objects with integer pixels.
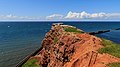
[{"x": 67, "y": 46}]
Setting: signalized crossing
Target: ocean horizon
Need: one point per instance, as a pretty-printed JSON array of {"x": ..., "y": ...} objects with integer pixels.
[{"x": 20, "y": 39}]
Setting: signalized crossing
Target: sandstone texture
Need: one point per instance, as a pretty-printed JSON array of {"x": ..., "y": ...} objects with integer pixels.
[{"x": 70, "y": 49}]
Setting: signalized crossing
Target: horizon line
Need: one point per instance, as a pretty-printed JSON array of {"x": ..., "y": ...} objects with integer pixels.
[{"x": 59, "y": 20}]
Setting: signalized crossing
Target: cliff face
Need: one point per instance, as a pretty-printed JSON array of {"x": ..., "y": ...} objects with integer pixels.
[{"x": 67, "y": 46}]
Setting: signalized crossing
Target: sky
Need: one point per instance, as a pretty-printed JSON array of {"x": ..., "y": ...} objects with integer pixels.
[{"x": 59, "y": 10}]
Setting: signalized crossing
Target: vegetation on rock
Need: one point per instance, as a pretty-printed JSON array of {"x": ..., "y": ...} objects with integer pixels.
[
  {"x": 31, "y": 63},
  {"x": 114, "y": 64},
  {"x": 72, "y": 29},
  {"x": 110, "y": 48},
  {"x": 55, "y": 39}
]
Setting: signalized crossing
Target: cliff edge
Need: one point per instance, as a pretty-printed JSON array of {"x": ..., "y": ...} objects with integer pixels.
[{"x": 67, "y": 46}]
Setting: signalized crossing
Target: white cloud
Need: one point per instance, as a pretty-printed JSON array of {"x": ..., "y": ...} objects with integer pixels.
[
  {"x": 54, "y": 16},
  {"x": 85, "y": 15},
  {"x": 115, "y": 16},
  {"x": 14, "y": 17},
  {"x": 72, "y": 15},
  {"x": 69, "y": 16},
  {"x": 5, "y": 17}
]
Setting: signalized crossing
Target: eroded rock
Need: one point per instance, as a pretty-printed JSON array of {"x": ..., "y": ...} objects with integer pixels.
[{"x": 70, "y": 49}]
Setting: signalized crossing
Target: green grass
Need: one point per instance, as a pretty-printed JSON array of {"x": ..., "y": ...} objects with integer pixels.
[
  {"x": 110, "y": 48},
  {"x": 55, "y": 39},
  {"x": 31, "y": 63},
  {"x": 71, "y": 29},
  {"x": 114, "y": 64}
]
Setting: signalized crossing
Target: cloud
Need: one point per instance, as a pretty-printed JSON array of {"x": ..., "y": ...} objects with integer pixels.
[
  {"x": 5, "y": 17},
  {"x": 72, "y": 15},
  {"x": 85, "y": 15},
  {"x": 115, "y": 16},
  {"x": 14, "y": 17},
  {"x": 54, "y": 17},
  {"x": 69, "y": 16}
]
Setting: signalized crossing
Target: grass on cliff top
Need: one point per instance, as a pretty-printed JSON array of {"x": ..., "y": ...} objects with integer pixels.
[
  {"x": 31, "y": 63},
  {"x": 110, "y": 48},
  {"x": 114, "y": 64},
  {"x": 72, "y": 29}
]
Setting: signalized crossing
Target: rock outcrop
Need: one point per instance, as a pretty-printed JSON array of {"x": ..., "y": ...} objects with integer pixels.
[{"x": 71, "y": 49}]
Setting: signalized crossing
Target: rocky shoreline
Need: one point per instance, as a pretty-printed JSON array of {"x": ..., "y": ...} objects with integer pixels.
[{"x": 67, "y": 46}]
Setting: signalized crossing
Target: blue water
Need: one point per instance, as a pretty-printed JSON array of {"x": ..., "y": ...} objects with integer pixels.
[{"x": 19, "y": 39}]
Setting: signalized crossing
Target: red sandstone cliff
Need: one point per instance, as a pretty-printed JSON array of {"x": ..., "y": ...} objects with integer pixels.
[{"x": 69, "y": 49}]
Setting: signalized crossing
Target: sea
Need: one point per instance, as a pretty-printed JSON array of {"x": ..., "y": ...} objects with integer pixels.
[{"x": 20, "y": 39}]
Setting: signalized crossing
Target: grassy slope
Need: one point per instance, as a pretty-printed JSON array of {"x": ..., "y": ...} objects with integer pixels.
[
  {"x": 31, "y": 63},
  {"x": 111, "y": 48},
  {"x": 71, "y": 29},
  {"x": 114, "y": 64}
]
